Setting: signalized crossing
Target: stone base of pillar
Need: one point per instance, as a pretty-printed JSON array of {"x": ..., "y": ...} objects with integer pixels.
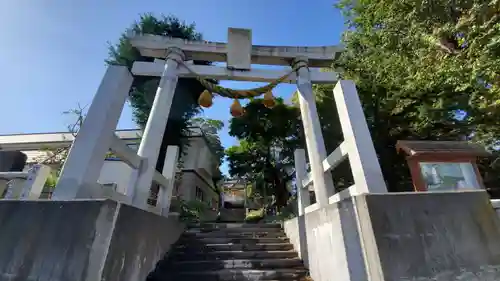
[
  {"x": 406, "y": 236},
  {"x": 82, "y": 240}
]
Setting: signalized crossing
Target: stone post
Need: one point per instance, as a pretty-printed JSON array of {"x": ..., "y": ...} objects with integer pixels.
[
  {"x": 169, "y": 171},
  {"x": 35, "y": 182},
  {"x": 363, "y": 159},
  {"x": 14, "y": 188},
  {"x": 303, "y": 199},
  {"x": 86, "y": 156},
  {"x": 155, "y": 127},
  {"x": 322, "y": 182}
]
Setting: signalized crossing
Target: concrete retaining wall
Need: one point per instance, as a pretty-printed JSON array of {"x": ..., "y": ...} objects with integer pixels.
[
  {"x": 332, "y": 243},
  {"x": 436, "y": 236},
  {"x": 81, "y": 240},
  {"x": 295, "y": 230},
  {"x": 403, "y": 236}
]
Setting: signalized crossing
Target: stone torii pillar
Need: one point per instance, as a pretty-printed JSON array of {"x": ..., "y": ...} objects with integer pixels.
[
  {"x": 322, "y": 182},
  {"x": 150, "y": 145}
]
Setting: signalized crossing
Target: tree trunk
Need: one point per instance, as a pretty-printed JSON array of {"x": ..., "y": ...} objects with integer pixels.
[{"x": 280, "y": 190}]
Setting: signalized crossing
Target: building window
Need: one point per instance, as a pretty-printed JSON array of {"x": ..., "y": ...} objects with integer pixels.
[
  {"x": 134, "y": 146},
  {"x": 199, "y": 194}
]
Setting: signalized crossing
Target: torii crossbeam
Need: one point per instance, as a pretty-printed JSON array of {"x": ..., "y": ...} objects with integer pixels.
[{"x": 239, "y": 54}]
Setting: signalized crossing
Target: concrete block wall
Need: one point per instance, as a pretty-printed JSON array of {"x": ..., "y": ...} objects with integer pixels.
[
  {"x": 81, "y": 240},
  {"x": 402, "y": 236}
]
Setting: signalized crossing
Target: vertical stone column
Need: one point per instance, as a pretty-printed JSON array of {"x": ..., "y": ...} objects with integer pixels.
[
  {"x": 86, "y": 156},
  {"x": 35, "y": 182},
  {"x": 169, "y": 171},
  {"x": 300, "y": 171},
  {"x": 15, "y": 188},
  {"x": 363, "y": 159},
  {"x": 322, "y": 182},
  {"x": 155, "y": 127}
]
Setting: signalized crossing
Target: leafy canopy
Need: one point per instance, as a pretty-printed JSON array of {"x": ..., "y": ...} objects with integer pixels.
[
  {"x": 432, "y": 64},
  {"x": 424, "y": 70},
  {"x": 267, "y": 139}
]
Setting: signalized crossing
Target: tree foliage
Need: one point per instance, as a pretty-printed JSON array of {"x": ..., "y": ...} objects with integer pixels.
[
  {"x": 268, "y": 138},
  {"x": 427, "y": 62},
  {"x": 141, "y": 96},
  {"x": 424, "y": 70}
]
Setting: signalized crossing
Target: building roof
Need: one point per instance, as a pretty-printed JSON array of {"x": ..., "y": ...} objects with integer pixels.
[
  {"x": 54, "y": 140},
  {"x": 35, "y": 145},
  {"x": 462, "y": 148},
  {"x": 37, "y": 141}
]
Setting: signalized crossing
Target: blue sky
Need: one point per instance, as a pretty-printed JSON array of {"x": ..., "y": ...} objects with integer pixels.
[{"x": 52, "y": 52}]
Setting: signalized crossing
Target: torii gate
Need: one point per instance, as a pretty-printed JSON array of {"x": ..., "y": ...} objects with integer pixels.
[{"x": 86, "y": 157}]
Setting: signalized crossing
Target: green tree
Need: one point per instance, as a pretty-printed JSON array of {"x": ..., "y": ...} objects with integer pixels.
[
  {"x": 184, "y": 105},
  {"x": 424, "y": 70},
  {"x": 268, "y": 138},
  {"x": 427, "y": 63}
]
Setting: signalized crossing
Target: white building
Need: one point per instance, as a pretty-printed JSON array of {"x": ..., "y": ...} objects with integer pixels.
[{"x": 200, "y": 164}]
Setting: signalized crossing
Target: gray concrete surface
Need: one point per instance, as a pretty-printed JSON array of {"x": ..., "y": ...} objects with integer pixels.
[
  {"x": 402, "y": 236},
  {"x": 80, "y": 240},
  {"x": 140, "y": 239},
  {"x": 332, "y": 249},
  {"x": 435, "y": 236},
  {"x": 295, "y": 229}
]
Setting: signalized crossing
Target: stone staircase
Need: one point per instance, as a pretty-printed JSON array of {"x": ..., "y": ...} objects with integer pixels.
[
  {"x": 231, "y": 251},
  {"x": 232, "y": 214}
]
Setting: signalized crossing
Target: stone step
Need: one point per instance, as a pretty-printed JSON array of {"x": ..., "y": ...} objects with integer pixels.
[
  {"x": 240, "y": 275},
  {"x": 232, "y": 215},
  {"x": 273, "y": 234},
  {"x": 234, "y": 247},
  {"x": 228, "y": 240},
  {"x": 206, "y": 265},
  {"x": 234, "y": 225},
  {"x": 225, "y": 255}
]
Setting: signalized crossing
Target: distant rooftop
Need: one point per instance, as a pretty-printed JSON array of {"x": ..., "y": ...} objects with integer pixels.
[{"x": 36, "y": 141}]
